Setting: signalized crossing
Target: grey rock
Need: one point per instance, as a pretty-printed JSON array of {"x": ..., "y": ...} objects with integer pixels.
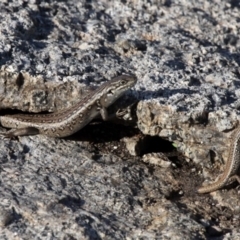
[{"x": 187, "y": 63}]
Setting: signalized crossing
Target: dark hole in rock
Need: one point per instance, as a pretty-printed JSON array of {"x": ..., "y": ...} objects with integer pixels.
[{"x": 156, "y": 144}]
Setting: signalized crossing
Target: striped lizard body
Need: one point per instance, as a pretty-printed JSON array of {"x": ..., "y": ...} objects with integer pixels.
[
  {"x": 232, "y": 165},
  {"x": 66, "y": 122}
]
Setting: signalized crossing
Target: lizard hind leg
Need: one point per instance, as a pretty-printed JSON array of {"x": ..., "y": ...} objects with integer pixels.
[{"x": 235, "y": 178}]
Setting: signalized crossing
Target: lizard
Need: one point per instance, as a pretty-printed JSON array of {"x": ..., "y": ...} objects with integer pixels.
[
  {"x": 68, "y": 121},
  {"x": 232, "y": 165}
]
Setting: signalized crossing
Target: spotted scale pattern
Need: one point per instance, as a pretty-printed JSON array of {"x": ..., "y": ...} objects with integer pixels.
[{"x": 66, "y": 122}]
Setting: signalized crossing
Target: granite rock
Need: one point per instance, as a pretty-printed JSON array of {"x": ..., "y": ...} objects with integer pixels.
[{"x": 185, "y": 55}]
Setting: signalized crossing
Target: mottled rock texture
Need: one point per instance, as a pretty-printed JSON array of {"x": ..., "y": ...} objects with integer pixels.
[{"x": 186, "y": 57}]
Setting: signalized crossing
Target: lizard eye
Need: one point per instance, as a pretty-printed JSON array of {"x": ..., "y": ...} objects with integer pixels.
[{"x": 123, "y": 82}]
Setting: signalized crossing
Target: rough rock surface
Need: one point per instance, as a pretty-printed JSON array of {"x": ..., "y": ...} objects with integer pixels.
[
  {"x": 186, "y": 57},
  {"x": 32, "y": 94}
]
